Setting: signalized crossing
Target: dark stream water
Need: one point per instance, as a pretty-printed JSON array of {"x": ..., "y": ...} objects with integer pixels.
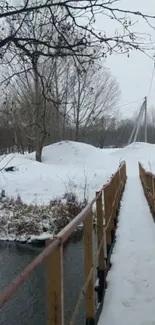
[{"x": 28, "y": 306}]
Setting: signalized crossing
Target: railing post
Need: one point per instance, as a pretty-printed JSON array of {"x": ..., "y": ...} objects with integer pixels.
[
  {"x": 107, "y": 209},
  {"x": 100, "y": 242},
  {"x": 125, "y": 175},
  {"x": 147, "y": 187},
  {"x": 54, "y": 267},
  {"x": 153, "y": 188},
  {"x": 119, "y": 185},
  {"x": 140, "y": 173},
  {"x": 88, "y": 262},
  {"x": 113, "y": 209},
  {"x": 150, "y": 190},
  {"x": 116, "y": 198},
  {"x": 119, "y": 190}
]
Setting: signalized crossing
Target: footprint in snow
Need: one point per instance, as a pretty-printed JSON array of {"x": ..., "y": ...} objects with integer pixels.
[{"x": 129, "y": 302}]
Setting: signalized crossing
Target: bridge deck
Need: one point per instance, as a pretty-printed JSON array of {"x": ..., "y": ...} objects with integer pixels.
[{"x": 130, "y": 296}]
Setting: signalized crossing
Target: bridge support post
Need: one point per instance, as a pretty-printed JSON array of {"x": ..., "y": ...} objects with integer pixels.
[
  {"x": 88, "y": 262},
  {"x": 100, "y": 242},
  {"x": 54, "y": 267}
]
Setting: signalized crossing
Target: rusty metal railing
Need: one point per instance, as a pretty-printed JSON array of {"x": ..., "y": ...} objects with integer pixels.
[{"x": 108, "y": 197}]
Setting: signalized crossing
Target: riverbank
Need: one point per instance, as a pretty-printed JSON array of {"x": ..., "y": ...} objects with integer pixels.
[
  {"x": 39, "y": 199},
  {"x": 34, "y": 224}
]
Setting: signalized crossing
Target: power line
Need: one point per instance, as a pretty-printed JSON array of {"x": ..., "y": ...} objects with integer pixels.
[
  {"x": 151, "y": 81},
  {"x": 130, "y": 103},
  {"x": 150, "y": 88}
]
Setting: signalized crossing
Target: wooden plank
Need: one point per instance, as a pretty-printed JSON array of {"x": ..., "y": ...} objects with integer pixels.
[
  {"x": 54, "y": 271},
  {"x": 88, "y": 263}
]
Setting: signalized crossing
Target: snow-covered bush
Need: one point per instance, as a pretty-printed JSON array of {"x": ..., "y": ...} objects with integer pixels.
[{"x": 20, "y": 221}]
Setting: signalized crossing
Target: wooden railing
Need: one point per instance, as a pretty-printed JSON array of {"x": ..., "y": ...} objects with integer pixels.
[
  {"x": 107, "y": 206},
  {"x": 148, "y": 183}
]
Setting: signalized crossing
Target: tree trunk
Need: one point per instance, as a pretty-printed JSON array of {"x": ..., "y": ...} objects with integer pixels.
[
  {"x": 77, "y": 133},
  {"x": 39, "y": 148},
  {"x": 77, "y": 124},
  {"x": 38, "y": 113}
]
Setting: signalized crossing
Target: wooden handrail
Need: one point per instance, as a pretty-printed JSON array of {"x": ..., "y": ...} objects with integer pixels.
[{"x": 148, "y": 183}]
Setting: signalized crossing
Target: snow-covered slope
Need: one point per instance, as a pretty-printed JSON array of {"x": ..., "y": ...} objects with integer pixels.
[
  {"x": 66, "y": 152},
  {"x": 66, "y": 166},
  {"x": 138, "y": 151}
]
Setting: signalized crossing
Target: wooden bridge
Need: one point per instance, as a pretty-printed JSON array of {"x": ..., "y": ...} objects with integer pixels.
[{"x": 107, "y": 202}]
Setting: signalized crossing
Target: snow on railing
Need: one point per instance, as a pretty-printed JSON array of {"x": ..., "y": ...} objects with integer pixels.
[{"x": 109, "y": 197}]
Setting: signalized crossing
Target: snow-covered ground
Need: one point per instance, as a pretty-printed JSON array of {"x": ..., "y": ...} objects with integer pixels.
[
  {"x": 66, "y": 166},
  {"x": 139, "y": 151}
]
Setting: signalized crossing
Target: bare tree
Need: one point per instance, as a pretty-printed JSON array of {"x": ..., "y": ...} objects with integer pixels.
[
  {"x": 103, "y": 127},
  {"x": 94, "y": 94},
  {"x": 32, "y": 67},
  {"x": 56, "y": 93},
  {"x": 30, "y": 112}
]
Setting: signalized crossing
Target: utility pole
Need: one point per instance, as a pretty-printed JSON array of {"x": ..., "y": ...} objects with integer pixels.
[
  {"x": 139, "y": 122},
  {"x": 145, "y": 119},
  {"x": 133, "y": 136}
]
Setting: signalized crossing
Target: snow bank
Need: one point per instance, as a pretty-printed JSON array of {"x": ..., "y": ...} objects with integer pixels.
[
  {"x": 135, "y": 152},
  {"x": 66, "y": 152},
  {"x": 67, "y": 166}
]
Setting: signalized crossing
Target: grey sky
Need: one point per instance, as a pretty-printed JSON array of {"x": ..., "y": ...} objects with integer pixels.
[{"x": 133, "y": 73}]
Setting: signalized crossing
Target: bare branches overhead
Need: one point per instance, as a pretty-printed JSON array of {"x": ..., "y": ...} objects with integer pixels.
[{"x": 68, "y": 27}]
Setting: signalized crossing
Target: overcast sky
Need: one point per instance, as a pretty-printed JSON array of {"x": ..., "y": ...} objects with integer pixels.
[{"x": 134, "y": 73}]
